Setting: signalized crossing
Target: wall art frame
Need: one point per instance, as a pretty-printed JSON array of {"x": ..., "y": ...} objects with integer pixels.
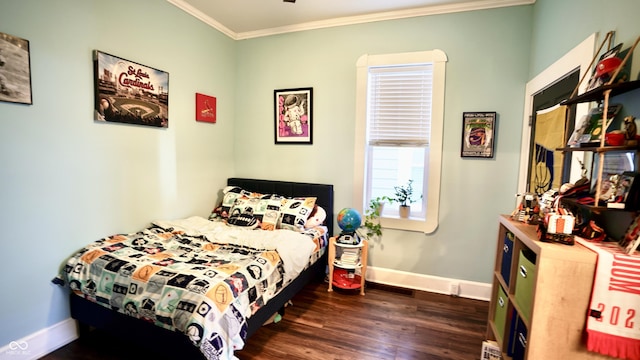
[
  {"x": 15, "y": 70},
  {"x": 293, "y": 120},
  {"x": 478, "y": 134},
  {"x": 206, "y": 108},
  {"x": 130, "y": 93}
]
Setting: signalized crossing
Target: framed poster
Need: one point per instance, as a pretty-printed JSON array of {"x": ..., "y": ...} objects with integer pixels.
[
  {"x": 293, "y": 116},
  {"x": 15, "y": 70},
  {"x": 130, "y": 93},
  {"x": 478, "y": 134},
  {"x": 206, "y": 108}
]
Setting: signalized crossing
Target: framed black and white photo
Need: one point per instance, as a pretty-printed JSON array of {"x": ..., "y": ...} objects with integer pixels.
[
  {"x": 293, "y": 116},
  {"x": 15, "y": 70},
  {"x": 478, "y": 134}
]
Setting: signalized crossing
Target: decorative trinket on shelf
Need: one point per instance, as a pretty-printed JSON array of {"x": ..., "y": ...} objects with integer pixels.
[
  {"x": 528, "y": 211},
  {"x": 630, "y": 130}
]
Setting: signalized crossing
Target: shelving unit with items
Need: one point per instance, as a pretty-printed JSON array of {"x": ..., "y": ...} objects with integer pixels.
[
  {"x": 540, "y": 295},
  {"x": 349, "y": 259},
  {"x": 606, "y": 159},
  {"x": 604, "y": 95},
  {"x": 541, "y": 290}
]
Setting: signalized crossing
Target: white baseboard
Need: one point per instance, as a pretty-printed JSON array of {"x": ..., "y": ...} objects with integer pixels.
[
  {"x": 436, "y": 284},
  {"x": 41, "y": 343}
]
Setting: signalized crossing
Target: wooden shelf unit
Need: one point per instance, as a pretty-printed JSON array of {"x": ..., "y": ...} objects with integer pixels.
[
  {"x": 362, "y": 247},
  {"x": 561, "y": 291},
  {"x": 603, "y": 93}
]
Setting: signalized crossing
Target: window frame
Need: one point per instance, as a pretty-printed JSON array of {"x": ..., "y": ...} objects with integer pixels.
[{"x": 438, "y": 58}]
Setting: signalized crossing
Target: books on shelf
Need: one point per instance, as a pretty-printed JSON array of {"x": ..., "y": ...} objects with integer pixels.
[
  {"x": 590, "y": 131},
  {"x": 350, "y": 257}
]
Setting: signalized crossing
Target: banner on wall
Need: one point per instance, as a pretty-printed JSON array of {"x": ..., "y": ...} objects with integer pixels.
[{"x": 546, "y": 162}]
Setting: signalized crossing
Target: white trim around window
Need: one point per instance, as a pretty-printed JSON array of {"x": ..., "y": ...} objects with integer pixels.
[{"x": 438, "y": 58}]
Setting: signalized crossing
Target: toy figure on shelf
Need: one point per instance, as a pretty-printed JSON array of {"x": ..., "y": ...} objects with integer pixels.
[
  {"x": 548, "y": 202},
  {"x": 528, "y": 211},
  {"x": 630, "y": 131}
]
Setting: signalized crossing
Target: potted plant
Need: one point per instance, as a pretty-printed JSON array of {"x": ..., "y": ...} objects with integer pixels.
[
  {"x": 404, "y": 196},
  {"x": 372, "y": 216}
]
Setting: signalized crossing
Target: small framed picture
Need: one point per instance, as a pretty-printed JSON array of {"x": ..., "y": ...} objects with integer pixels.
[
  {"x": 206, "y": 108},
  {"x": 293, "y": 116},
  {"x": 625, "y": 191},
  {"x": 631, "y": 239},
  {"x": 478, "y": 134},
  {"x": 15, "y": 70}
]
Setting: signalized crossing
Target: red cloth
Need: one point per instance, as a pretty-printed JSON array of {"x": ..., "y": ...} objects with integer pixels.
[{"x": 613, "y": 322}]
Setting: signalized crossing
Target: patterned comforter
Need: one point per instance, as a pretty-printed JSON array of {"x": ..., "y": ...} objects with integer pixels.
[{"x": 195, "y": 276}]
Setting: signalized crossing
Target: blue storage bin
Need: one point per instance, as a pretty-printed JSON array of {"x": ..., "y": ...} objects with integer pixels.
[
  {"x": 507, "y": 254},
  {"x": 513, "y": 322},
  {"x": 520, "y": 340}
]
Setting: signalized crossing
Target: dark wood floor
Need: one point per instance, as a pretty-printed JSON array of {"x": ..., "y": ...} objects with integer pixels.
[{"x": 384, "y": 324}]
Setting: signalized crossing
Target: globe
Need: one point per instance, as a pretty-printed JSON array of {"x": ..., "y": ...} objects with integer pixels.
[{"x": 349, "y": 219}]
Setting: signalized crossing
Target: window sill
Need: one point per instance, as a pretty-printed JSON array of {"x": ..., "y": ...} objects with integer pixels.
[{"x": 410, "y": 224}]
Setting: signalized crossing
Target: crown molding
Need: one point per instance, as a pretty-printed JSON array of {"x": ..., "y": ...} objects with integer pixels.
[
  {"x": 351, "y": 20},
  {"x": 204, "y": 18}
]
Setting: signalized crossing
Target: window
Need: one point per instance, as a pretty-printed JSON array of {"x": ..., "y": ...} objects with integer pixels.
[{"x": 399, "y": 115}]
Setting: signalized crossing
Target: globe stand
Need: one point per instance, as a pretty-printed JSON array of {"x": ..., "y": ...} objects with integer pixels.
[
  {"x": 349, "y": 238},
  {"x": 349, "y": 220}
]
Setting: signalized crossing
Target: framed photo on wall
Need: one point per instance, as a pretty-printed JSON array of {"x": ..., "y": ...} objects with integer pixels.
[
  {"x": 130, "y": 93},
  {"x": 15, "y": 70},
  {"x": 293, "y": 123},
  {"x": 206, "y": 108},
  {"x": 478, "y": 134}
]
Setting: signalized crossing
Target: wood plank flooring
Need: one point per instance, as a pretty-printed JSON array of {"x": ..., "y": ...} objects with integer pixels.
[{"x": 384, "y": 324}]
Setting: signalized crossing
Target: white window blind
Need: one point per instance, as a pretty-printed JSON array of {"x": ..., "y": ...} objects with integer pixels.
[{"x": 399, "y": 105}]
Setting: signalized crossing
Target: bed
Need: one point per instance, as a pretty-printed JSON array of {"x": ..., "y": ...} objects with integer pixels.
[{"x": 192, "y": 302}]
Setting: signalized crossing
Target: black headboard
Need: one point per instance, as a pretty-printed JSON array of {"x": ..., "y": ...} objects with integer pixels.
[{"x": 323, "y": 192}]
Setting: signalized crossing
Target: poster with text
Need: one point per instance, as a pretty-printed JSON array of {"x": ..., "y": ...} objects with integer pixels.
[
  {"x": 478, "y": 133},
  {"x": 130, "y": 93}
]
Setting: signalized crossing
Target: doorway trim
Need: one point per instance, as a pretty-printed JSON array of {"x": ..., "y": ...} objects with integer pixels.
[{"x": 578, "y": 57}]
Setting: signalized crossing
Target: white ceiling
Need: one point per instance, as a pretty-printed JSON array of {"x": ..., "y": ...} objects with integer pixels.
[{"x": 243, "y": 19}]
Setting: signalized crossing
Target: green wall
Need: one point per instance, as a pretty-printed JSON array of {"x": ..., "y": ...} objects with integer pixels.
[
  {"x": 66, "y": 180},
  {"x": 488, "y": 54},
  {"x": 558, "y": 26}
]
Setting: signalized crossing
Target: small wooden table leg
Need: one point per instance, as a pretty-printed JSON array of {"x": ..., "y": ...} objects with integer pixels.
[{"x": 332, "y": 256}]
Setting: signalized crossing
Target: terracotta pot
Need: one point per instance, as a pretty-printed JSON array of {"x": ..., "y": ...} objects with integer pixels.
[{"x": 404, "y": 211}]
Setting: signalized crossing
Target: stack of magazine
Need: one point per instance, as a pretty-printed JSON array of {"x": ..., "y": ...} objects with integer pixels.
[{"x": 350, "y": 256}]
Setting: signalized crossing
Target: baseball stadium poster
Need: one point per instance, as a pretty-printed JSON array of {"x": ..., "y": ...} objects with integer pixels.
[
  {"x": 130, "y": 93},
  {"x": 478, "y": 134}
]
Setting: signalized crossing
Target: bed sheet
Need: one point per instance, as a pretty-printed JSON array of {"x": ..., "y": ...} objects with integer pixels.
[{"x": 194, "y": 276}]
